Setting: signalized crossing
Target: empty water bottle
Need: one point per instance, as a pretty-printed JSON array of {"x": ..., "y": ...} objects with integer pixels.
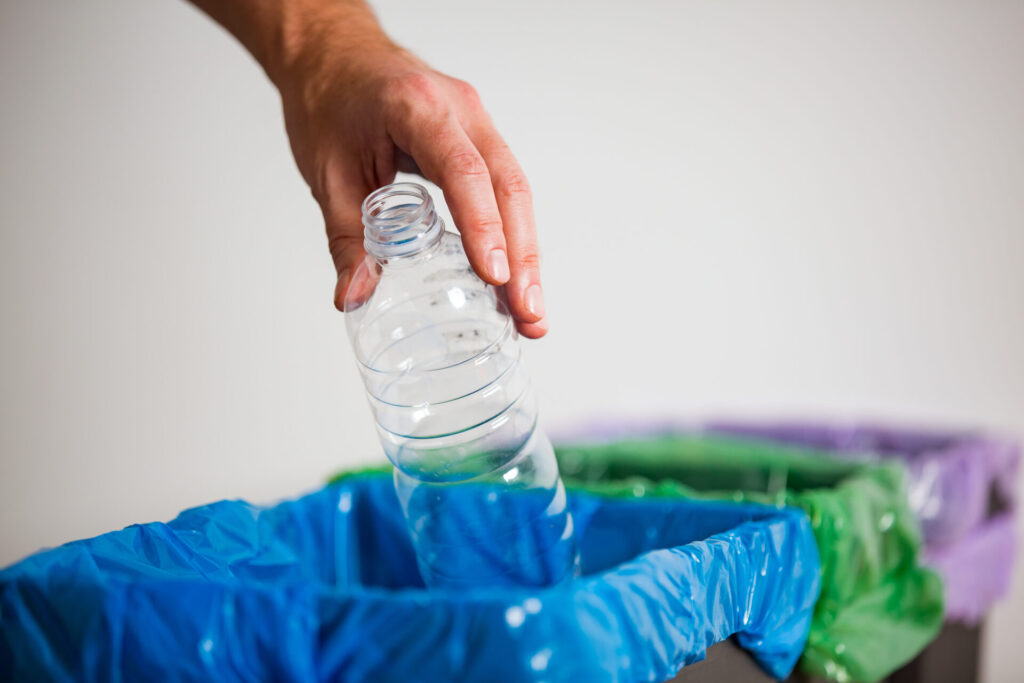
[{"x": 455, "y": 411}]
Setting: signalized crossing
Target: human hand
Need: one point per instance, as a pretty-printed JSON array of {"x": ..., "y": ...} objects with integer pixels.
[{"x": 358, "y": 108}]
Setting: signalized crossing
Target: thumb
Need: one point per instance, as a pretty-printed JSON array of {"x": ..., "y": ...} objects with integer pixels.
[
  {"x": 342, "y": 211},
  {"x": 349, "y": 255}
]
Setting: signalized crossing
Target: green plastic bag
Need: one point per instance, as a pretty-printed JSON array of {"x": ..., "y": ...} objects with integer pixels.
[{"x": 878, "y": 607}]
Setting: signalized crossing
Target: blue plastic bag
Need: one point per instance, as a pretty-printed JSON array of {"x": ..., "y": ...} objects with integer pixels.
[{"x": 326, "y": 588}]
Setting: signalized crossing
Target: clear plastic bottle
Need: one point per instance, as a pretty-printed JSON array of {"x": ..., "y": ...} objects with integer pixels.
[{"x": 454, "y": 407}]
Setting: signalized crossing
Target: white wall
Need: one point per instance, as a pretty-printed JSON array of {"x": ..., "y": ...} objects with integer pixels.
[{"x": 745, "y": 207}]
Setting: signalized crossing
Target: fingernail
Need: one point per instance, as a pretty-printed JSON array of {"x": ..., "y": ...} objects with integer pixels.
[
  {"x": 535, "y": 300},
  {"x": 497, "y": 265}
]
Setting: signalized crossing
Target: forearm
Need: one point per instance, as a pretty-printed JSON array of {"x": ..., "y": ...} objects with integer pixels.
[{"x": 276, "y": 32}]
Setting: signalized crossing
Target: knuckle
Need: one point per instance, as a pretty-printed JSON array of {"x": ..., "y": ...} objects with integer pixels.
[
  {"x": 418, "y": 84},
  {"x": 514, "y": 186},
  {"x": 527, "y": 259},
  {"x": 466, "y": 163},
  {"x": 482, "y": 225},
  {"x": 341, "y": 245},
  {"x": 489, "y": 225},
  {"x": 467, "y": 92},
  {"x": 411, "y": 90}
]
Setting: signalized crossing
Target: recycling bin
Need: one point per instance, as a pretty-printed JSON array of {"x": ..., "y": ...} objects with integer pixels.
[
  {"x": 879, "y": 605},
  {"x": 962, "y": 488},
  {"x": 326, "y": 587}
]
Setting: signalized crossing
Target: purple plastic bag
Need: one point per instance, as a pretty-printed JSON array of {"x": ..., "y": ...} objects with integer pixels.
[
  {"x": 977, "y": 569},
  {"x": 954, "y": 477},
  {"x": 961, "y": 486}
]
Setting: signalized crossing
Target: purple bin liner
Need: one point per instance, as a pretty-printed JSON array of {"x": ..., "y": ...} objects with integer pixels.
[
  {"x": 955, "y": 478},
  {"x": 961, "y": 486},
  {"x": 977, "y": 570}
]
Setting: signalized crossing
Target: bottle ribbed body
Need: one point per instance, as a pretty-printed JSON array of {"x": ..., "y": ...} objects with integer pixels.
[{"x": 455, "y": 410}]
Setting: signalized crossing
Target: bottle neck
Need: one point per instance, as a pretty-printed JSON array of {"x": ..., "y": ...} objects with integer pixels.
[{"x": 399, "y": 222}]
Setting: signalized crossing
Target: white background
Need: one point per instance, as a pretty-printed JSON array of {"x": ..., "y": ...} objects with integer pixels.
[{"x": 752, "y": 208}]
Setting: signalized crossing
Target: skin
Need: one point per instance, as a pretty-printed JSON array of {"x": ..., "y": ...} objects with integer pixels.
[{"x": 359, "y": 108}]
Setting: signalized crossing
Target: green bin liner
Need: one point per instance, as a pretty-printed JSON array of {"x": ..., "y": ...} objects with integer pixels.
[{"x": 878, "y": 606}]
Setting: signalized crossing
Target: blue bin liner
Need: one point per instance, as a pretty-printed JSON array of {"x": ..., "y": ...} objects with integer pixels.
[{"x": 326, "y": 588}]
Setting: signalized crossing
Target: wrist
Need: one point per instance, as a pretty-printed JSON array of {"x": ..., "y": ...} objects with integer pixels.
[
  {"x": 314, "y": 36},
  {"x": 289, "y": 36}
]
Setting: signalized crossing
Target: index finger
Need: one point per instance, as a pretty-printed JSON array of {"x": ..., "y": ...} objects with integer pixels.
[{"x": 447, "y": 156}]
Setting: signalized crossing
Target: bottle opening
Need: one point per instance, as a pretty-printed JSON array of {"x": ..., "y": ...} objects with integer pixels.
[{"x": 400, "y": 220}]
